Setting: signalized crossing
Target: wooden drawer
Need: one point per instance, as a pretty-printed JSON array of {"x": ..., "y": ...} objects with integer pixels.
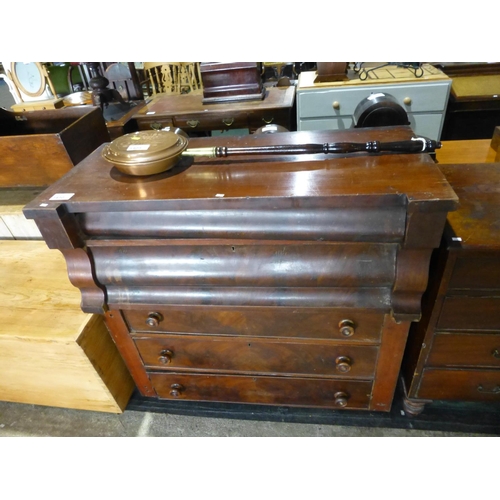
[
  {"x": 288, "y": 391},
  {"x": 257, "y": 355},
  {"x": 211, "y": 122},
  {"x": 466, "y": 385},
  {"x": 154, "y": 123},
  {"x": 222, "y": 264},
  {"x": 304, "y": 322},
  {"x": 470, "y": 313},
  {"x": 258, "y": 119},
  {"x": 474, "y": 349},
  {"x": 476, "y": 273}
]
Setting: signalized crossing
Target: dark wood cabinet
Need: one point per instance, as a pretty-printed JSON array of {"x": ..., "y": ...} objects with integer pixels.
[
  {"x": 454, "y": 352},
  {"x": 268, "y": 279}
]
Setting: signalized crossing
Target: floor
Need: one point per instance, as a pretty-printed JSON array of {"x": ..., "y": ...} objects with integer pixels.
[{"x": 150, "y": 418}]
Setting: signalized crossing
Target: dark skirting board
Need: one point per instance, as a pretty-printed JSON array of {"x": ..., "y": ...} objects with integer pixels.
[{"x": 461, "y": 417}]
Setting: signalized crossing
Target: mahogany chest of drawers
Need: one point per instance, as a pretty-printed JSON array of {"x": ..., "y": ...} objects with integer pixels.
[
  {"x": 282, "y": 280},
  {"x": 454, "y": 352}
]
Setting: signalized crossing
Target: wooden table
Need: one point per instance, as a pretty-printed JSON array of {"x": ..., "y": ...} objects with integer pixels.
[
  {"x": 280, "y": 280},
  {"x": 187, "y": 111}
]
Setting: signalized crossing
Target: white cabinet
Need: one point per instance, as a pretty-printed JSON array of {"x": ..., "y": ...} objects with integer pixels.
[{"x": 332, "y": 106}]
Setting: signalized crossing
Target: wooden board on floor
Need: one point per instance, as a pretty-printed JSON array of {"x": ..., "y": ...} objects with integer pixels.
[
  {"x": 470, "y": 151},
  {"x": 52, "y": 353}
]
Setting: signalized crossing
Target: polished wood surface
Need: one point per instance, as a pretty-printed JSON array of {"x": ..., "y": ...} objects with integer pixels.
[
  {"x": 299, "y": 275},
  {"x": 453, "y": 352}
]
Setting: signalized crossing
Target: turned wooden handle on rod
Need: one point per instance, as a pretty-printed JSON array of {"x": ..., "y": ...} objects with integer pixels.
[{"x": 414, "y": 145}]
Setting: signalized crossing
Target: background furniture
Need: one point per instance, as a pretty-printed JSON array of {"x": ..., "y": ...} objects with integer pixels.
[
  {"x": 266, "y": 279},
  {"x": 51, "y": 353},
  {"x": 331, "y": 105},
  {"x": 473, "y": 109},
  {"x": 190, "y": 114},
  {"x": 454, "y": 352},
  {"x": 38, "y": 147},
  {"x": 172, "y": 78},
  {"x": 231, "y": 81}
]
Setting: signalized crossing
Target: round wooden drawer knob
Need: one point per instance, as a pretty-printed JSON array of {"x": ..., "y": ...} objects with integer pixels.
[
  {"x": 166, "y": 356},
  {"x": 336, "y": 105},
  {"x": 154, "y": 319},
  {"x": 407, "y": 100},
  {"x": 343, "y": 364},
  {"x": 346, "y": 328},
  {"x": 176, "y": 389},
  {"x": 341, "y": 399}
]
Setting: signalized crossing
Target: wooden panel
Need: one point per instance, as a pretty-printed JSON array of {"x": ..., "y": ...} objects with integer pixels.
[
  {"x": 311, "y": 323},
  {"x": 470, "y": 313},
  {"x": 253, "y": 355},
  {"x": 461, "y": 385},
  {"x": 479, "y": 272},
  {"x": 473, "y": 151},
  {"x": 39, "y": 147},
  {"x": 465, "y": 350},
  {"x": 262, "y": 390},
  {"x": 51, "y": 353}
]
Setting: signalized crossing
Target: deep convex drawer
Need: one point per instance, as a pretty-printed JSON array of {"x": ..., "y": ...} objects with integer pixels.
[
  {"x": 420, "y": 98},
  {"x": 353, "y": 325},
  {"x": 463, "y": 349},
  {"x": 348, "y": 265},
  {"x": 257, "y": 355},
  {"x": 288, "y": 391},
  {"x": 470, "y": 313}
]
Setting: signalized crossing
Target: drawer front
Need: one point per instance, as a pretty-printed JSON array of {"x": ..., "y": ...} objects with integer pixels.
[
  {"x": 476, "y": 273},
  {"x": 353, "y": 325},
  {"x": 346, "y": 224},
  {"x": 210, "y": 122},
  {"x": 259, "y": 118},
  {"x": 253, "y": 355},
  {"x": 154, "y": 123},
  {"x": 470, "y": 313},
  {"x": 460, "y": 385},
  {"x": 423, "y": 98},
  {"x": 348, "y": 265},
  {"x": 263, "y": 390},
  {"x": 475, "y": 349}
]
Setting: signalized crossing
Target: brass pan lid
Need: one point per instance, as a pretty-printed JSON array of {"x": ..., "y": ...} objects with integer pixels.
[{"x": 145, "y": 147}]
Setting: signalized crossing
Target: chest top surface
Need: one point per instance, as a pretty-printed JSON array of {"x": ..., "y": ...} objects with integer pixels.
[
  {"x": 253, "y": 181},
  {"x": 477, "y": 220}
]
